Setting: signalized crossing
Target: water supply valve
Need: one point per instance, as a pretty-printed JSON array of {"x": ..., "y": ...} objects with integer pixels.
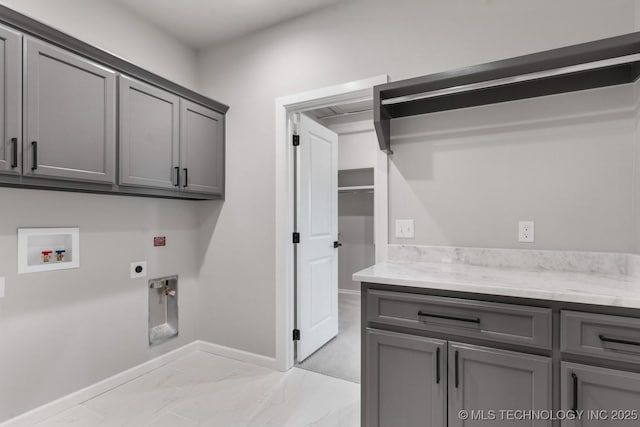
[
  {"x": 46, "y": 256},
  {"x": 60, "y": 255},
  {"x": 169, "y": 291}
]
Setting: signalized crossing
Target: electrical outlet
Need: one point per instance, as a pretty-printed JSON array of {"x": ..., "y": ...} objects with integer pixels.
[
  {"x": 405, "y": 229},
  {"x": 1, "y": 287},
  {"x": 526, "y": 232},
  {"x": 138, "y": 269}
]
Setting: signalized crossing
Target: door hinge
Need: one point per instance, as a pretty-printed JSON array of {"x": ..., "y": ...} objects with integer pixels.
[
  {"x": 296, "y": 140},
  {"x": 296, "y": 334},
  {"x": 296, "y": 237}
]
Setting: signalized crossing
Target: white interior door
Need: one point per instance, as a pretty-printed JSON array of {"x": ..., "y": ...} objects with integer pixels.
[{"x": 317, "y": 223}]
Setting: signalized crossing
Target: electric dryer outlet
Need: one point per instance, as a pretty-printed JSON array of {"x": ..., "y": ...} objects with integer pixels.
[{"x": 138, "y": 269}]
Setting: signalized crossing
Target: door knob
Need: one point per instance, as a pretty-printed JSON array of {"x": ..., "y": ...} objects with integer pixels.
[{"x": 337, "y": 244}]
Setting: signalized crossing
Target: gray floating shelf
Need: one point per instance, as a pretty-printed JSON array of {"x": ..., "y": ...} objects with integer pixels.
[{"x": 601, "y": 63}]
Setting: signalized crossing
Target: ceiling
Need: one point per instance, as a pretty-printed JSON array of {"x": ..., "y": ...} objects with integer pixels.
[{"x": 202, "y": 23}]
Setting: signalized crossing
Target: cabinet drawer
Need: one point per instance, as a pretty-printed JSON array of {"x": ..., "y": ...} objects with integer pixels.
[
  {"x": 610, "y": 337},
  {"x": 515, "y": 324}
]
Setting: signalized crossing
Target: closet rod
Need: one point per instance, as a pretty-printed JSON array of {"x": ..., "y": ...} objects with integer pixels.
[{"x": 515, "y": 79}]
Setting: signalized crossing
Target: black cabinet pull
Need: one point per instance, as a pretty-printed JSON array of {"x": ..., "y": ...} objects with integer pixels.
[
  {"x": 34, "y": 145},
  {"x": 186, "y": 178},
  {"x": 438, "y": 365},
  {"x": 457, "y": 370},
  {"x": 442, "y": 316},
  {"x": 177, "y": 177},
  {"x": 14, "y": 158},
  {"x": 618, "y": 340},
  {"x": 574, "y": 406}
]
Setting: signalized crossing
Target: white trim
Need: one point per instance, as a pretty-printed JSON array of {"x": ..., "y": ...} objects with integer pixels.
[
  {"x": 349, "y": 291},
  {"x": 285, "y": 106},
  {"x": 241, "y": 355},
  {"x": 64, "y": 403},
  {"x": 71, "y": 400}
]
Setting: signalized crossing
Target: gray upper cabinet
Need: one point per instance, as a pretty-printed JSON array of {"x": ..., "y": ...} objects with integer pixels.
[
  {"x": 70, "y": 116},
  {"x": 201, "y": 149},
  {"x": 10, "y": 101},
  {"x": 406, "y": 381},
  {"x": 482, "y": 378},
  {"x": 149, "y": 135},
  {"x": 592, "y": 389}
]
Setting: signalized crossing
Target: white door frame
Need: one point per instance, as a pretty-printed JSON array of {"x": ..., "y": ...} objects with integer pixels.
[{"x": 285, "y": 177}]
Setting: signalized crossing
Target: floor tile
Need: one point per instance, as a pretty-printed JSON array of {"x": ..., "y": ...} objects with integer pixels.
[
  {"x": 78, "y": 416},
  {"x": 202, "y": 389}
]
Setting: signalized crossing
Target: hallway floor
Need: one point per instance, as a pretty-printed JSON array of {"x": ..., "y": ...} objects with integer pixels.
[
  {"x": 202, "y": 389},
  {"x": 340, "y": 357}
]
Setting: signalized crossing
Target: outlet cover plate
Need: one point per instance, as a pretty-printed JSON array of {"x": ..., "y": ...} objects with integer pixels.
[
  {"x": 405, "y": 229},
  {"x": 142, "y": 273},
  {"x": 526, "y": 232}
]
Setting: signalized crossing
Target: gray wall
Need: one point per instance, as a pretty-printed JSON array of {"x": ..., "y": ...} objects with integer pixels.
[
  {"x": 62, "y": 331},
  {"x": 355, "y": 40},
  {"x": 566, "y": 162},
  {"x": 355, "y": 225}
]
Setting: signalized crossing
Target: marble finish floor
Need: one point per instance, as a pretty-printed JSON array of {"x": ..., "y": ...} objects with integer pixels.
[
  {"x": 202, "y": 389},
  {"x": 340, "y": 357}
]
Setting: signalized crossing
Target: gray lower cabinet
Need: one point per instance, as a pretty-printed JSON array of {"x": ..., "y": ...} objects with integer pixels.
[
  {"x": 483, "y": 379},
  {"x": 149, "y": 135},
  {"x": 603, "y": 397},
  {"x": 70, "y": 116},
  {"x": 406, "y": 380},
  {"x": 201, "y": 149},
  {"x": 10, "y": 101}
]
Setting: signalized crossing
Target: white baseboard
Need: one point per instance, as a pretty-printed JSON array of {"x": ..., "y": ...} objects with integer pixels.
[
  {"x": 243, "y": 356},
  {"x": 64, "y": 403}
]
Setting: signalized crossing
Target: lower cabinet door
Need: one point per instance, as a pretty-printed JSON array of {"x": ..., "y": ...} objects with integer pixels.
[
  {"x": 497, "y": 387},
  {"x": 406, "y": 381},
  {"x": 601, "y": 397}
]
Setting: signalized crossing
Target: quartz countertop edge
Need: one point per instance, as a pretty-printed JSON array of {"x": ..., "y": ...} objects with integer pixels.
[{"x": 581, "y": 288}]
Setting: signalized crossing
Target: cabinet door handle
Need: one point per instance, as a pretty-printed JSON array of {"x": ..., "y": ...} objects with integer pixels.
[
  {"x": 186, "y": 178},
  {"x": 574, "y": 405},
  {"x": 457, "y": 369},
  {"x": 34, "y": 145},
  {"x": 438, "y": 365},
  {"x": 14, "y": 158},
  {"x": 176, "y": 178},
  {"x": 442, "y": 316},
  {"x": 618, "y": 340}
]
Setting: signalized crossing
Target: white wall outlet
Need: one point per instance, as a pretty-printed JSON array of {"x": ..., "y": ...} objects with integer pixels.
[
  {"x": 526, "y": 232},
  {"x": 405, "y": 228},
  {"x": 1, "y": 287},
  {"x": 138, "y": 269}
]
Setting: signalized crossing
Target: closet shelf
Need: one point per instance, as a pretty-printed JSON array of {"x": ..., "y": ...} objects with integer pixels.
[
  {"x": 355, "y": 189},
  {"x": 601, "y": 63}
]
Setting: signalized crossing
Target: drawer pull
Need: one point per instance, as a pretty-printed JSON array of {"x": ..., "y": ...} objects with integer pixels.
[
  {"x": 438, "y": 365},
  {"x": 618, "y": 341},
  {"x": 574, "y": 405},
  {"x": 458, "y": 319}
]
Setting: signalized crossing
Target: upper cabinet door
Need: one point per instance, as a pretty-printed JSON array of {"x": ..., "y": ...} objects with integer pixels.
[
  {"x": 201, "y": 149},
  {"x": 10, "y": 101},
  {"x": 70, "y": 123},
  {"x": 149, "y": 135}
]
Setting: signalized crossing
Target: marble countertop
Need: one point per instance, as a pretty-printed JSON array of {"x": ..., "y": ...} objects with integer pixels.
[{"x": 584, "y": 288}]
